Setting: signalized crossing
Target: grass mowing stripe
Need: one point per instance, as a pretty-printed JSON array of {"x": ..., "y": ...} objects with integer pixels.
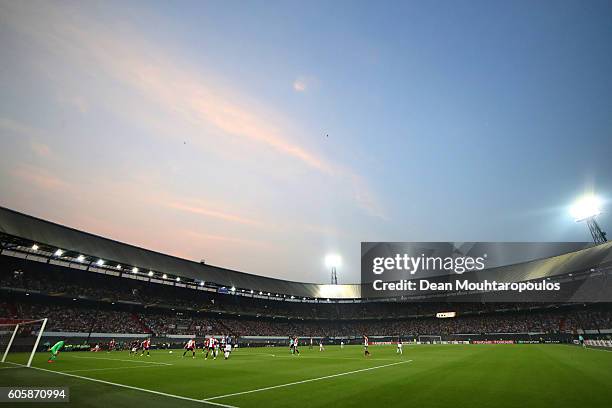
[
  {"x": 135, "y": 388},
  {"x": 305, "y": 381},
  {"x": 108, "y": 368},
  {"x": 125, "y": 361},
  {"x": 598, "y": 349},
  {"x": 317, "y": 357}
]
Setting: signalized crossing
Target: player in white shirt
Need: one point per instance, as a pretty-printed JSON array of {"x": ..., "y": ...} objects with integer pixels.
[
  {"x": 190, "y": 346},
  {"x": 210, "y": 346},
  {"x": 296, "y": 344},
  {"x": 321, "y": 347},
  {"x": 216, "y": 349},
  {"x": 399, "y": 347},
  {"x": 341, "y": 344},
  {"x": 366, "y": 344},
  {"x": 228, "y": 348}
]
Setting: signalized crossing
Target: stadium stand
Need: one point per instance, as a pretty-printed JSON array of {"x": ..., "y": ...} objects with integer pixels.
[{"x": 88, "y": 299}]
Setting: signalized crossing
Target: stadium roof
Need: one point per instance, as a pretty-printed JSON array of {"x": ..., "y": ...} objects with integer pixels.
[
  {"x": 36, "y": 230},
  {"x": 59, "y": 236}
]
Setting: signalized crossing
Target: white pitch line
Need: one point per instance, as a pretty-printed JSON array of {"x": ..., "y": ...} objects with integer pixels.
[
  {"x": 125, "y": 361},
  {"x": 305, "y": 381},
  {"x": 131, "y": 387},
  {"x": 8, "y": 368}
]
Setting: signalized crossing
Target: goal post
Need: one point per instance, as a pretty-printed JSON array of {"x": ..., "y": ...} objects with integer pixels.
[
  {"x": 10, "y": 343},
  {"x": 21, "y": 340},
  {"x": 431, "y": 339}
]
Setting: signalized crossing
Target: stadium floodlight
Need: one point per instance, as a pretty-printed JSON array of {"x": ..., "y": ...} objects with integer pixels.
[
  {"x": 268, "y": 293},
  {"x": 164, "y": 276},
  {"x": 251, "y": 291},
  {"x": 100, "y": 262},
  {"x": 586, "y": 209},
  {"x": 118, "y": 266},
  {"x": 58, "y": 253},
  {"x": 134, "y": 270},
  {"x": 150, "y": 273},
  {"x": 34, "y": 247},
  {"x": 233, "y": 289},
  {"x": 201, "y": 283},
  {"x": 80, "y": 258},
  {"x": 292, "y": 297},
  {"x": 178, "y": 279},
  {"x": 333, "y": 261},
  {"x": 260, "y": 292}
]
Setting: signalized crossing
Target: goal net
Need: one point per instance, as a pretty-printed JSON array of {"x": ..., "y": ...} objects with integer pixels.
[
  {"x": 430, "y": 339},
  {"x": 20, "y": 340}
]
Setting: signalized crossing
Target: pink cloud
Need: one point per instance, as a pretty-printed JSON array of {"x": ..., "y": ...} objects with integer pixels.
[
  {"x": 208, "y": 212},
  {"x": 40, "y": 177},
  {"x": 185, "y": 94}
]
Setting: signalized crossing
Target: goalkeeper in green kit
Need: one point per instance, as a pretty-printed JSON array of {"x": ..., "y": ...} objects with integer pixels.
[{"x": 55, "y": 350}]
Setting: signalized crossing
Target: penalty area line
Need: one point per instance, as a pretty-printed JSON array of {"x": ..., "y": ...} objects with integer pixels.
[
  {"x": 305, "y": 381},
  {"x": 131, "y": 387}
]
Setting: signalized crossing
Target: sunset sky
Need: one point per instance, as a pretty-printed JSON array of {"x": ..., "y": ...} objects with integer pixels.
[{"x": 263, "y": 135}]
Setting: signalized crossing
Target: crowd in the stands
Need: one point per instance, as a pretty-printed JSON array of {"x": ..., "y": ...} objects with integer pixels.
[
  {"x": 59, "y": 283},
  {"x": 81, "y": 319},
  {"x": 90, "y": 302}
]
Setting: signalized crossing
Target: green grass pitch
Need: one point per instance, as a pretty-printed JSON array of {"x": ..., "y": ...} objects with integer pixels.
[{"x": 425, "y": 376}]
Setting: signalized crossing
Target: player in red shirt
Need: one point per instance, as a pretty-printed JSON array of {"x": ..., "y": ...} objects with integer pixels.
[
  {"x": 190, "y": 346},
  {"x": 111, "y": 345},
  {"x": 145, "y": 347},
  {"x": 210, "y": 347},
  {"x": 296, "y": 343}
]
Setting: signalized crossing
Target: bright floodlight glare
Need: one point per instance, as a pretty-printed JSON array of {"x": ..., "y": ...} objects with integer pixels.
[
  {"x": 59, "y": 252},
  {"x": 233, "y": 289},
  {"x": 586, "y": 207},
  {"x": 80, "y": 258},
  {"x": 100, "y": 262},
  {"x": 178, "y": 279},
  {"x": 35, "y": 247},
  {"x": 202, "y": 283},
  {"x": 150, "y": 273},
  {"x": 165, "y": 276},
  {"x": 135, "y": 270},
  {"x": 333, "y": 261},
  {"x": 118, "y": 266}
]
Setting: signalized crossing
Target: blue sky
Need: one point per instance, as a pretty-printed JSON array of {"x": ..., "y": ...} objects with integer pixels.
[{"x": 199, "y": 128}]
